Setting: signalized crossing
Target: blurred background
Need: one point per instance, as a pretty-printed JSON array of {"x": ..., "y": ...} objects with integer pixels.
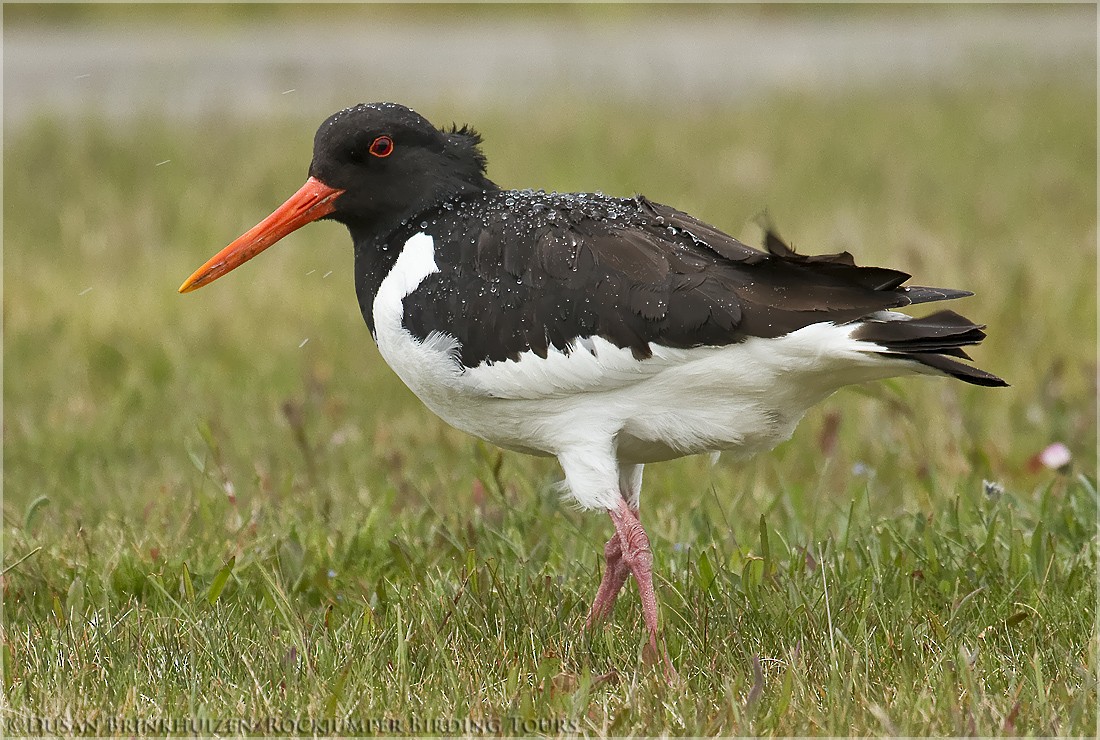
[
  {"x": 149, "y": 435},
  {"x": 260, "y": 62}
]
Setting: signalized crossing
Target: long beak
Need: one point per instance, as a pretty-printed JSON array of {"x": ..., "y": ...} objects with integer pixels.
[{"x": 311, "y": 202}]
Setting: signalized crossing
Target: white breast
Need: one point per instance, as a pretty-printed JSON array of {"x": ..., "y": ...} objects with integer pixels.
[
  {"x": 414, "y": 264},
  {"x": 428, "y": 367}
]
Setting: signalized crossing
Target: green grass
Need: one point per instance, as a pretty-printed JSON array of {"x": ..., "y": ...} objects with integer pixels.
[{"x": 206, "y": 518}]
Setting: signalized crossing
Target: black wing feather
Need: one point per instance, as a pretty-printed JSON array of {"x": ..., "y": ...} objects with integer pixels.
[{"x": 526, "y": 271}]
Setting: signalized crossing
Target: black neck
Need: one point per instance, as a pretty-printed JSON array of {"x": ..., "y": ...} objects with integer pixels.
[
  {"x": 378, "y": 242},
  {"x": 374, "y": 259},
  {"x": 380, "y": 226}
]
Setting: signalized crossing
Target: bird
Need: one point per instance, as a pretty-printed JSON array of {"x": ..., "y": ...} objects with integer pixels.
[{"x": 607, "y": 332}]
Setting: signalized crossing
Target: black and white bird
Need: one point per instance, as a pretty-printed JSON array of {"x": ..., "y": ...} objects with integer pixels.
[{"x": 606, "y": 332}]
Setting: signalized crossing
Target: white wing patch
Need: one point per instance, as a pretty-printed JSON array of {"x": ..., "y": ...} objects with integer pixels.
[
  {"x": 428, "y": 367},
  {"x": 416, "y": 262}
]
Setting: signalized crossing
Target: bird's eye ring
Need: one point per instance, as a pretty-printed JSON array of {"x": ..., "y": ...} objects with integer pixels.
[{"x": 382, "y": 146}]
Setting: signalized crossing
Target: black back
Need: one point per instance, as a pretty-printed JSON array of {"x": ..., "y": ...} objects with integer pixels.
[{"x": 530, "y": 270}]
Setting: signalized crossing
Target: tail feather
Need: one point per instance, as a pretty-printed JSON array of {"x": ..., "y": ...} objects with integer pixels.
[
  {"x": 922, "y": 294},
  {"x": 955, "y": 369},
  {"x": 931, "y": 341}
]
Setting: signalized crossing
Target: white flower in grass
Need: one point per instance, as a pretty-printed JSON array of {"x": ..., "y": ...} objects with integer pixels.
[{"x": 1055, "y": 456}]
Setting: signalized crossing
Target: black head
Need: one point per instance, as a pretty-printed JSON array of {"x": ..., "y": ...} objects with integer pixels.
[
  {"x": 374, "y": 166},
  {"x": 392, "y": 163}
]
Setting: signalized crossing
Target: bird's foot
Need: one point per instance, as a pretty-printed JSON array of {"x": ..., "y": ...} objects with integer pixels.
[
  {"x": 655, "y": 652},
  {"x": 638, "y": 558}
]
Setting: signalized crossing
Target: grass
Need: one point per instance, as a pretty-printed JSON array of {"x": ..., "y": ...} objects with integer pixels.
[{"x": 224, "y": 506}]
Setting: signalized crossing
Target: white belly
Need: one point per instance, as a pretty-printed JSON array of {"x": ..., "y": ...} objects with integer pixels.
[{"x": 746, "y": 397}]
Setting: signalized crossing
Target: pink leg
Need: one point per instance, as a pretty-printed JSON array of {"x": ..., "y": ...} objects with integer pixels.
[
  {"x": 616, "y": 572},
  {"x": 637, "y": 557},
  {"x": 614, "y": 576}
]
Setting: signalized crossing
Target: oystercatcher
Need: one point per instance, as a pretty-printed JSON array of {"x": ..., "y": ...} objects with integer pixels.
[{"x": 606, "y": 332}]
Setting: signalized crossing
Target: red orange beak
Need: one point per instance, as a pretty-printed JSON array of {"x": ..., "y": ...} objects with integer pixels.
[{"x": 312, "y": 201}]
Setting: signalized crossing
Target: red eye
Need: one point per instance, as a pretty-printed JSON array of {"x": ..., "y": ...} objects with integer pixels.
[{"x": 382, "y": 146}]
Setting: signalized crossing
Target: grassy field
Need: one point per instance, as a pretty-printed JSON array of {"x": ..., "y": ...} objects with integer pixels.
[{"x": 223, "y": 506}]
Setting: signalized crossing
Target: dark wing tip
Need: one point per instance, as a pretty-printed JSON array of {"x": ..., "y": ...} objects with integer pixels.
[
  {"x": 932, "y": 340},
  {"x": 956, "y": 369},
  {"x": 922, "y": 294}
]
